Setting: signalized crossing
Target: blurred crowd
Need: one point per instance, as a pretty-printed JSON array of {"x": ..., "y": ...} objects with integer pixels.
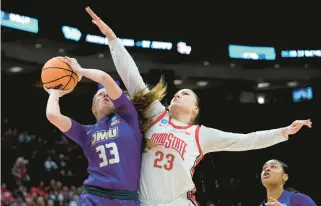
[
  {"x": 53, "y": 194},
  {"x": 47, "y": 168},
  {"x": 40, "y": 171},
  {"x": 50, "y": 170}
]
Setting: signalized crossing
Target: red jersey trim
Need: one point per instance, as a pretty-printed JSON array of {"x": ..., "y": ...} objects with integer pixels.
[
  {"x": 197, "y": 139},
  {"x": 178, "y": 127},
  {"x": 190, "y": 194}
]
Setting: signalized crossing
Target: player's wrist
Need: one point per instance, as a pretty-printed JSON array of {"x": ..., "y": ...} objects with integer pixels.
[
  {"x": 80, "y": 71},
  {"x": 285, "y": 131},
  {"x": 55, "y": 93},
  {"x": 110, "y": 35}
]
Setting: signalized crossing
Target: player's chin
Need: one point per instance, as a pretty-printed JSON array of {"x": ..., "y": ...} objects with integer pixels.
[
  {"x": 179, "y": 106},
  {"x": 266, "y": 181},
  {"x": 174, "y": 105}
]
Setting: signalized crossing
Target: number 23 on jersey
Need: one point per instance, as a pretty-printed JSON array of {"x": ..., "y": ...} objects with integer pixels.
[
  {"x": 158, "y": 162},
  {"x": 113, "y": 150}
]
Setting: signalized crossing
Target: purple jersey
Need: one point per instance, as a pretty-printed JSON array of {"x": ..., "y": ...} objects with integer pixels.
[
  {"x": 292, "y": 198},
  {"x": 89, "y": 200},
  {"x": 112, "y": 147}
]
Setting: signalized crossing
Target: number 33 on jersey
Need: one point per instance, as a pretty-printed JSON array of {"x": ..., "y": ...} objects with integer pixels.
[
  {"x": 113, "y": 150},
  {"x": 107, "y": 152}
]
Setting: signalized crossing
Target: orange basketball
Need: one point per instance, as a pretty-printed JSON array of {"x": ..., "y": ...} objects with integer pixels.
[{"x": 56, "y": 74}]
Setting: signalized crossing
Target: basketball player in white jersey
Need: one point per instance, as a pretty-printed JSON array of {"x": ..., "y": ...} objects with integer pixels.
[{"x": 168, "y": 166}]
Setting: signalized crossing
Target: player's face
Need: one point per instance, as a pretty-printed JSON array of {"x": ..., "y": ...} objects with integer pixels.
[
  {"x": 273, "y": 174},
  {"x": 186, "y": 100},
  {"x": 102, "y": 104}
]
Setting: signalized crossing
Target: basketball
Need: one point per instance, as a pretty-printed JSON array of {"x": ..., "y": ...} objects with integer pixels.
[{"x": 56, "y": 74}]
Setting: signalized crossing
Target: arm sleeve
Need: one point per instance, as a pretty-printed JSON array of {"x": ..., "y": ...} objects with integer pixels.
[
  {"x": 129, "y": 73},
  {"x": 213, "y": 140},
  {"x": 77, "y": 133},
  {"x": 127, "y": 111},
  {"x": 302, "y": 199}
]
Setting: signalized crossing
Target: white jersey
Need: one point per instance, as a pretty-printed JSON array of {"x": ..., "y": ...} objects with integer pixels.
[
  {"x": 169, "y": 166},
  {"x": 167, "y": 169}
]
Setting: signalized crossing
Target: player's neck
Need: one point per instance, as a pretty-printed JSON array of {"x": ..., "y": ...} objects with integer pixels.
[
  {"x": 274, "y": 192},
  {"x": 100, "y": 116},
  {"x": 181, "y": 117}
]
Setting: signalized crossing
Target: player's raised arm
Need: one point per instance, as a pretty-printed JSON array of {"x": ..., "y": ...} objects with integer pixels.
[
  {"x": 212, "y": 140},
  {"x": 125, "y": 65},
  {"x": 69, "y": 127},
  {"x": 114, "y": 92},
  {"x": 53, "y": 113},
  {"x": 112, "y": 89}
]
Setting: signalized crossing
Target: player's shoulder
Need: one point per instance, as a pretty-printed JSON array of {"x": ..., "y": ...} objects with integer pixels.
[
  {"x": 298, "y": 197},
  {"x": 203, "y": 128}
]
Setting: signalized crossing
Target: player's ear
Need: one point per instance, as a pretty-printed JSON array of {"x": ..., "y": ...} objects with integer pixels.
[{"x": 285, "y": 177}]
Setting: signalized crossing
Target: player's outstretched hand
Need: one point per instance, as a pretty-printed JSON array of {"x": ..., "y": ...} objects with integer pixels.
[
  {"x": 57, "y": 92},
  {"x": 296, "y": 126},
  {"x": 103, "y": 27},
  {"x": 73, "y": 63}
]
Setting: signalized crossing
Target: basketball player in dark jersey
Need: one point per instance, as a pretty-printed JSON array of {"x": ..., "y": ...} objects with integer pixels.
[
  {"x": 274, "y": 175},
  {"x": 112, "y": 146}
]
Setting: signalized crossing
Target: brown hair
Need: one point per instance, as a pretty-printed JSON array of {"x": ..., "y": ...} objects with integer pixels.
[
  {"x": 285, "y": 169},
  {"x": 142, "y": 102}
]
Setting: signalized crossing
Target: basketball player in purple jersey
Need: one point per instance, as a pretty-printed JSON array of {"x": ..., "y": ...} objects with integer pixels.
[
  {"x": 113, "y": 145},
  {"x": 274, "y": 175}
]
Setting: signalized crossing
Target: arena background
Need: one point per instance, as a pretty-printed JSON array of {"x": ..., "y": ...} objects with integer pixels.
[{"x": 237, "y": 94}]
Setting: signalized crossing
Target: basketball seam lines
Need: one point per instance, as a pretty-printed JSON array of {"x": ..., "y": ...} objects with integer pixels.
[
  {"x": 67, "y": 82},
  {"x": 73, "y": 79},
  {"x": 59, "y": 68},
  {"x": 72, "y": 71},
  {"x": 63, "y": 77},
  {"x": 56, "y": 79}
]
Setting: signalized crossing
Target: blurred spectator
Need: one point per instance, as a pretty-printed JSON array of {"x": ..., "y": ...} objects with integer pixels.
[
  {"x": 19, "y": 200},
  {"x": 73, "y": 202},
  {"x": 51, "y": 203},
  {"x": 40, "y": 190},
  {"x": 24, "y": 137},
  {"x": 209, "y": 203},
  {"x": 50, "y": 165},
  {"x": 19, "y": 170},
  {"x": 40, "y": 201},
  {"x": 6, "y": 195},
  {"x": 50, "y": 188}
]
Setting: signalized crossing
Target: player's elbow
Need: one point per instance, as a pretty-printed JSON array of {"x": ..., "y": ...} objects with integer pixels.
[
  {"x": 60, "y": 121},
  {"x": 106, "y": 80},
  {"x": 52, "y": 116}
]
